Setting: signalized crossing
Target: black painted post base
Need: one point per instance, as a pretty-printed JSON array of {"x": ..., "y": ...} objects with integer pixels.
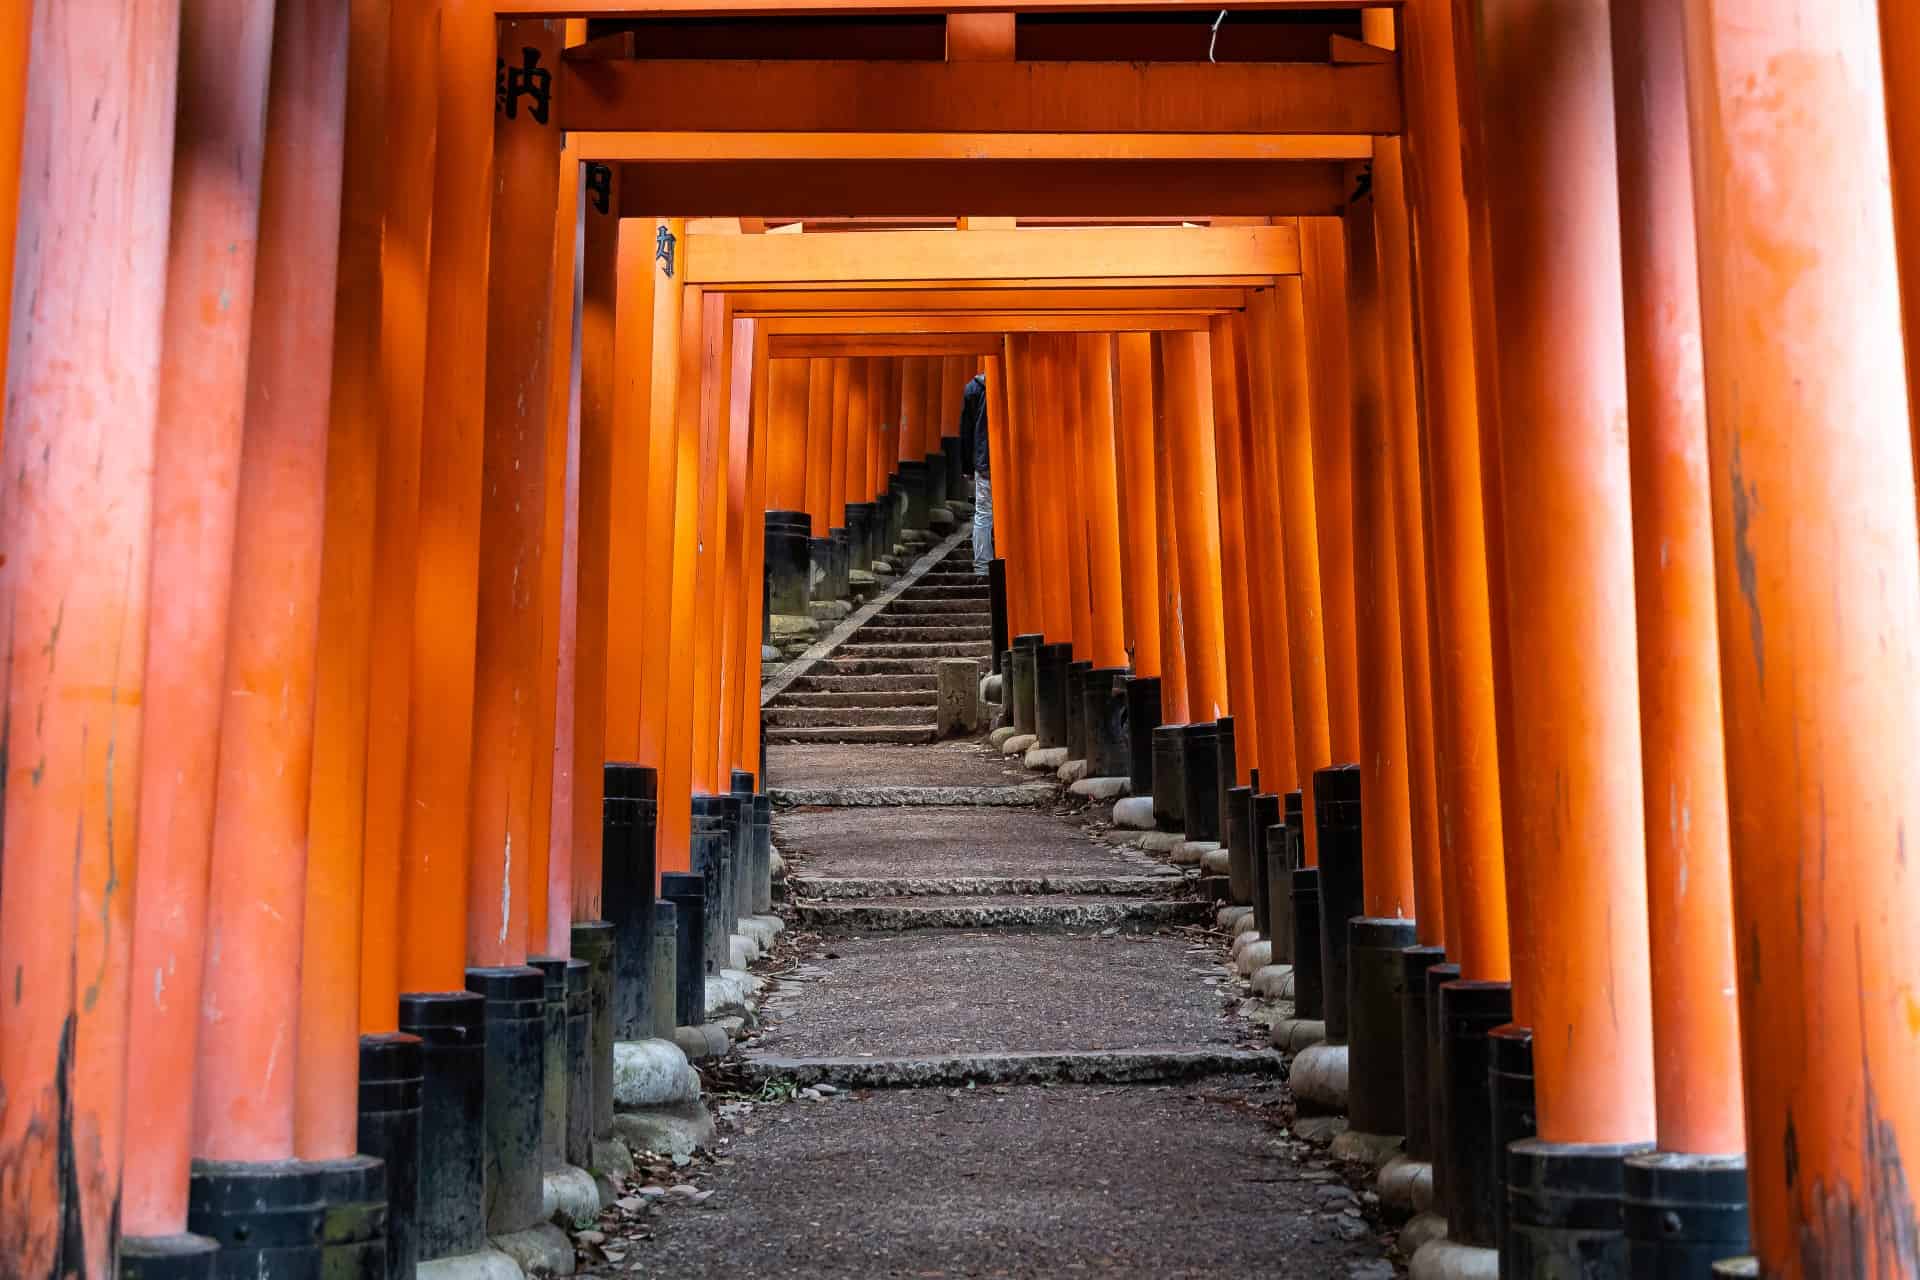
[
  {"x": 593, "y": 943},
  {"x": 1566, "y": 1210},
  {"x": 666, "y": 969},
  {"x": 1241, "y": 877},
  {"x": 1684, "y": 1213},
  {"x": 293, "y": 1218},
  {"x": 762, "y": 854},
  {"x": 997, "y": 612},
  {"x": 1438, "y": 1102},
  {"x": 1050, "y": 694},
  {"x": 1510, "y": 1093},
  {"x": 576, "y": 1147},
  {"x": 1263, "y": 816},
  {"x": 516, "y": 1081},
  {"x": 389, "y": 1131},
  {"x": 177, "y": 1257},
  {"x": 1104, "y": 707},
  {"x": 1201, "y": 780},
  {"x": 1077, "y": 708},
  {"x": 1309, "y": 983},
  {"x": 1468, "y": 1011},
  {"x": 1416, "y": 1048},
  {"x": 1273, "y": 849},
  {"x": 451, "y": 1026},
  {"x": 1170, "y": 777},
  {"x": 687, "y": 892},
  {"x": 1377, "y": 1078},
  {"x": 1026, "y": 660},
  {"x": 1143, "y": 717}
]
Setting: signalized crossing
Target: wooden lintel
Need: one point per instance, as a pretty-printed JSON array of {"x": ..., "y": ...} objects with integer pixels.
[
  {"x": 933, "y": 257},
  {"x": 1007, "y": 188},
  {"x": 981, "y": 97},
  {"x": 993, "y": 322},
  {"x": 710, "y": 146},
  {"x": 828, "y": 346},
  {"x": 899, "y": 301},
  {"x": 1347, "y": 49},
  {"x": 791, "y": 8}
]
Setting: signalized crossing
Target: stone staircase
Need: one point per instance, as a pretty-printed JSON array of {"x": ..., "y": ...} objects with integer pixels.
[{"x": 879, "y": 684}]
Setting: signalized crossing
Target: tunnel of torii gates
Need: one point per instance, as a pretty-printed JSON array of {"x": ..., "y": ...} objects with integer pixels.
[{"x": 391, "y": 504}]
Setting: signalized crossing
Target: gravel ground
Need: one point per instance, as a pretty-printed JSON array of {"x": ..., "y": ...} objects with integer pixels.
[
  {"x": 938, "y": 992},
  {"x": 1164, "y": 1181},
  {"x": 963, "y": 763},
  {"x": 942, "y": 842}
]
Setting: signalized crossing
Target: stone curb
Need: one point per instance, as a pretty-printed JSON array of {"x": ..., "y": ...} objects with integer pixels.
[
  {"x": 843, "y": 888},
  {"x": 785, "y": 676},
  {"x": 1071, "y": 1066},
  {"x": 1037, "y": 914},
  {"x": 1023, "y": 795}
]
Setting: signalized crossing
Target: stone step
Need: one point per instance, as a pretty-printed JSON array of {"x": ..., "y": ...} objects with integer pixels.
[
  {"x": 917, "y": 797},
  {"x": 849, "y": 717},
  {"x": 860, "y": 665},
  {"x": 820, "y": 680},
  {"x": 894, "y": 616},
  {"x": 1010, "y": 911},
  {"x": 861, "y": 888},
  {"x": 923, "y": 635},
  {"x": 869, "y": 733},
  {"x": 953, "y": 578},
  {"x": 965, "y": 649},
  {"x": 918, "y": 592},
  {"x": 921, "y": 697}
]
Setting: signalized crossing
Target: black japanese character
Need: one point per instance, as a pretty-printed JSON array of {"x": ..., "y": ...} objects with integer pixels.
[{"x": 529, "y": 80}]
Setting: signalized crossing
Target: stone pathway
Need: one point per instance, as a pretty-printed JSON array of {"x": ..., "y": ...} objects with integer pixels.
[{"x": 993, "y": 1046}]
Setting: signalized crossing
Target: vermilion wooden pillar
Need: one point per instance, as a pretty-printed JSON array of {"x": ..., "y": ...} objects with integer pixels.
[
  {"x": 1388, "y": 848},
  {"x": 747, "y": 754},
  {"x": 1555, "y": 232},
  {"x": 1196, "y": 505},
  {"x": 1413, "y": 567},
  {"x": 1466, "y": 751},
  {"x": 886, "y": 437},
  {"x": 1696, "y": 1024},
  {"x": 836, "y": 459},
  {"x": 913, "y": 409},
  {"x": 1280, "y": 319},
  {"x": 220, "y": 139},
  {"x": 326, "y": 1116},
  {"x": 513, "y": 492},
  {"x": 434, "y": 871},
  {"x": 16, "y": 40},
  {"x": 654, "y": 548},
  {"x": 860, "y": 432},
  {"x": 628, "y": 383},
  {"x": 413, "y": 78},
  {"x": 741, "y": 593},
  {"x": 1266, "y": 566},
  {"x": 1230, "y": 411},
  {"x": 1818, "y": 595},
  {"x": 245, "y": 1076},
  {"x": 1095, "y": 367},
  {"x": 819, "y": 444},
  {"x": 1052, "y": 550},
  {"x": 1011, "y": 517},
  {"x": 710, "y": 537},
  {"x": 1133, "y": 435},
  {"x": 1174, "y": 707},
  {"x": 1900, "y": 54},
  {"x": 1070, "y": 438},
  {"x": 680, "y": 568},
  {"x": 75, "y": 520},
  {"x": 1323, "y": 270},
  {"x": 787, "y": 435}
]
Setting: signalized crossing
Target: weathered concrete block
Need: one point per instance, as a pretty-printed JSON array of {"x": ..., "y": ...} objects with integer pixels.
[
  {"x": 956, "y": 711},
  {"x": 1102, "y": 788},
  {"x": 1001, "y": 736},
  {"x": 1319, "y": 1075},
  {"x": 678, "y": 1131},
  {"x": 1072, "y": 771},
  {"x": 651, "y": 1073},
  {"x": 1134, "y": 811},
  {"x": 1018, "y": 745},
  {"x": 1046, "y": 758},
  {"x": 783, "y": 626}
]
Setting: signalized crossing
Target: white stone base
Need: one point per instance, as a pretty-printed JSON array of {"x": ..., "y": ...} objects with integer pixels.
[
  {"x": 1421, "y": 1228},
  {"x": 1162, "y": 841},
  {"x": 571, "y": 1193},
  {"x": 1397, "y": 1178},
  {"x": 1296, "y": 1035},
  {"x": 1266, "y": 981},
  {"x": 1000, "y": 736},
  {"x": 1229, "y": 918},
  {"x": 678, "y": 1131},
  {"x": 1189, "y": 853},
  {"x": 1103, "y": 789},
  {"x": 1319, "y": 1075},
  {"x": 1217, "y": 861},
  {"x": 1072, "y": 771},
  {"x": 651, "y": 1073},
  {"x": 481, "y": 1264},
  {"x": 1019, "y": 744},
  {"x": 1368, "y": 1148},
  {"x": 1046, "y": 759},
  {"x": 1254, "y": 956},
  {"x": 1135, "y": 812},
  {"x": 544, "y": 1250},
  {"x": 1444, "y": 1260}
]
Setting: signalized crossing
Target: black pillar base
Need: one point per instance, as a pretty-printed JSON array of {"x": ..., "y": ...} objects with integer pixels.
[
  {"x": 1226, "y": 772},
  {"x": 593, "y": 943},
  {"x": 302, "y": 1219},
  {"x": 451, "y": 1026},
  {"x": 1567, "y": 1211},
  {"x": 179, "y": 1257},
  {"x": 553, "y": 1056},
  {"x": 1684, "y": 1213},
  {"x": 1050, "y": 694},
  {"x": 1025, "y": 695},
  {"x": 1143, "y": 717},
  {"x": 788, "y": 561},
  {"x": 1468, "y": 1011},
  {"x": 1263, "y": 816},
  {"x": 1415, "y": 1047},
  {"x": 353, "y": 1239},
  {"x": 1077, "y": 709},
  {"x": 710, "y": 854},
  {"x": 389, "y": 1131},
  {"x": 1309, "y": 983},
  {"x": 629, "y": 834},
  {"x": 516, "y": 1082},
  {"x": 1336, "y": 804},
  {"x": 1201, "y": 780},
  {"x": 997, "y": 612},
  {"x": 1170, "y": 777},
  {"x": 762, "y": 854},
  {"x": 687, "y": 892},
  {"x": 666, "y": 968},
  {"x": 1241, "y": 877},
  {"x": 1104, "y": 707},
  {"x": 913, "y": 479},
  {"x": 576, "y": 1147},
  {"x": 1376, "y": 1070},
  {"x": 1278, "y": 859},
  {"x": 1510, "y": 1096},
  {"x": 1439, "y": 1105}
]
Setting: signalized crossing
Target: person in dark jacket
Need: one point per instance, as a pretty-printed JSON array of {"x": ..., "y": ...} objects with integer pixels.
[{"x": 973, "y": 419}]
